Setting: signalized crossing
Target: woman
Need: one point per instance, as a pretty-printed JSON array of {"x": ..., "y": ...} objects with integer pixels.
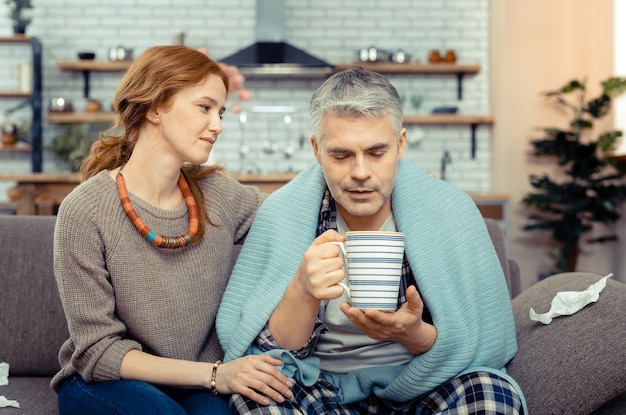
[{"x": 144, "y": 248}]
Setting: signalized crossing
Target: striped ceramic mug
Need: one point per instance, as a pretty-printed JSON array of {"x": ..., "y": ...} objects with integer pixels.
[{"x": 374, "y": 265}]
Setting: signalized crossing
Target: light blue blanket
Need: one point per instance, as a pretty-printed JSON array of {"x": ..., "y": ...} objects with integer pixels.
[{"x": 451, "y": 255}]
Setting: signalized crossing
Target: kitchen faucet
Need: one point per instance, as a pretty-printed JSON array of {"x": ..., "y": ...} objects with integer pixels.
[{"x": 445, "y": 160}]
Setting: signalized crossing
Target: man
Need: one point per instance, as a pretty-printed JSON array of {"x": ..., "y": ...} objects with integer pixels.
[{"x": 443, "y": 349}]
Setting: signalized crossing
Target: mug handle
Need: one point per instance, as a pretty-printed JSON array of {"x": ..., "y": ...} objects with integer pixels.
[
  {"x": 345, "y": 288},
  {"x": 342, "y": 246},
  {"x": 345, "y": 255}
]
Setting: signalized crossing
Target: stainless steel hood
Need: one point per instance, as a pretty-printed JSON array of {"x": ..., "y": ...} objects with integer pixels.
[{"x": 271, "y": 54}]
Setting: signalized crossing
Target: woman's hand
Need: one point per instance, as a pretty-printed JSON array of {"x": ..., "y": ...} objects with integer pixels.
[{"x": 255, "y": 377}]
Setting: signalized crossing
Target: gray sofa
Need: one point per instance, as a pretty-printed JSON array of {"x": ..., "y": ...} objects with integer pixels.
[{"x": 576, "y": 365}]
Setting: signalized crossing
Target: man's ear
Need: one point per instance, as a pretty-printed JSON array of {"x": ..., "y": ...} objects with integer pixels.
[
  {"x": 316, "y": 152},
  {"x": 401, "y": 143}
]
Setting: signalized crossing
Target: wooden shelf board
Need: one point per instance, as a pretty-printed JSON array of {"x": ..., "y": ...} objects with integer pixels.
[
  {"x": 15, "y": 39},
  {"x": 80, "y": 117},
  {"x": 94, "y": 65},
  {"x": 15, "y": 94},
  {"x": 72, "y": 178},
  {"x": 18, "y": 148},
  {"x": 617, "y": 158},
  {"x": 449, "y": 119},
  {"x": 411, "y": 68}
]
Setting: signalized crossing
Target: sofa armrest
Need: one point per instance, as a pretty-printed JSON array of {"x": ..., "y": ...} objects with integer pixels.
[
  {"x": 575, "y": 364},
  {"x": 509, "y": 266}
]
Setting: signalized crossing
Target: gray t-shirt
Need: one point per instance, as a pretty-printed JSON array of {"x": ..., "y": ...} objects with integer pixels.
[{"x": 344, "y": 348}]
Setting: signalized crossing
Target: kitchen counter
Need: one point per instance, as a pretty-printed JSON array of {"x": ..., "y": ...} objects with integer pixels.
[{"x": 41, "y": 193}]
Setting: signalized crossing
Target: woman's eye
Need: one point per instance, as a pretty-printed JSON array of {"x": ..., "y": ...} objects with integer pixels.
[{"x": 205, "y": 107}]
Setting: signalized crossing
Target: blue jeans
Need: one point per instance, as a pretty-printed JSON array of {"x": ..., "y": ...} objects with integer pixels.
[{"x": 132, "y": 397}]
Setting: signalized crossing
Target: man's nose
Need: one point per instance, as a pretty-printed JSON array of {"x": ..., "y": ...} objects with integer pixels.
[{"x": 360, "y": 169}]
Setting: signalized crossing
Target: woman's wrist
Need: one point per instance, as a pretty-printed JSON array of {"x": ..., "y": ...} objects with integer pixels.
[{"x": 213, "y": 382}]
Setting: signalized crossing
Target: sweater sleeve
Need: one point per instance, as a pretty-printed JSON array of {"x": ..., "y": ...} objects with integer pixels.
[{"x": 97, "y": 335}]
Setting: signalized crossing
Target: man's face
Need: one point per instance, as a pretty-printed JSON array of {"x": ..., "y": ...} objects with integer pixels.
[{"x": 359, "y": 157}]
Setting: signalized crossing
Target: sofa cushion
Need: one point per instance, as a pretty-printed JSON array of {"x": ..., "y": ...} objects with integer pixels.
[
  {"x": 31, "y": 308},
  {"x": 33, "y": 394},
  {"x": 575, "y": 364}
]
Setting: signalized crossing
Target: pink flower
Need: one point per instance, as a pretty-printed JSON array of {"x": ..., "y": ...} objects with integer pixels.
[
  {"x": 236, "y": 90},
  {"x": 236, "y": 81},
  {"x": 235, "y": 78},
  {"x": 244, "y": 94},
  {"x": 204, "y": 51},
  {"x": 236, "y": 108}
]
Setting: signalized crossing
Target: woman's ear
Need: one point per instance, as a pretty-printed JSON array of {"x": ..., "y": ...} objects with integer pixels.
[{"x": 153, "y": 116}]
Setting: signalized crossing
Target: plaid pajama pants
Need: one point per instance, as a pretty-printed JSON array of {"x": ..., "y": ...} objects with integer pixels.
[{"x": 480, "y": 393}]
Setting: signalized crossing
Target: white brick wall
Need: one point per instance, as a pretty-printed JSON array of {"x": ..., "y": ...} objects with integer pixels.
[{"x": 333, "y": 30}]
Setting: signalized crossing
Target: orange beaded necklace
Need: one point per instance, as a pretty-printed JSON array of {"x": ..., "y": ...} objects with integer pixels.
[{"x": 158, "y": 240}]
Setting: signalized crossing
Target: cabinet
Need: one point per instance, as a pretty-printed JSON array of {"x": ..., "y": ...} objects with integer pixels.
[{"x": 33, "y": 99}]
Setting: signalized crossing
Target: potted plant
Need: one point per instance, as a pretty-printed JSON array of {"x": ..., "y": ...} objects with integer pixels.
[
  {"x": 9, "y": 137},
  {"x": 73, "y": 142},
  {"x": 588, "y": 189},
  {"x": 12, "y": 129},
  {"x": 20, "y": 12}
]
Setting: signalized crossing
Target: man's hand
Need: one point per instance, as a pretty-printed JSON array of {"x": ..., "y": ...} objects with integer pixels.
[
  {"x": 321, "y": 268},
  {"x": 292, "y": 323},
  {"x": 404, "y": 326}
]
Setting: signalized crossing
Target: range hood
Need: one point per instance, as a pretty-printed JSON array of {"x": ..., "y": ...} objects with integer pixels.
[{"x": 271, "y": 54}]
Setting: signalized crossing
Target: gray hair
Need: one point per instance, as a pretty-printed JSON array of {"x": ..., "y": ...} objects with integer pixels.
[{"x": 356, "y": 93}]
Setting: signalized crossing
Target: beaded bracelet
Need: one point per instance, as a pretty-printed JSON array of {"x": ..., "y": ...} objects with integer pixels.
[{"x": 214, "y": 376}]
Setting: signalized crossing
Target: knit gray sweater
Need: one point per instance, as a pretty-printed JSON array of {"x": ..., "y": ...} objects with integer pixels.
[{"x": 120, "y": 292}]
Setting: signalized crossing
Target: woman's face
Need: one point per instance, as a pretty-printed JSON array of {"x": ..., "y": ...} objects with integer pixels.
[{"x": 193, "y": 122}]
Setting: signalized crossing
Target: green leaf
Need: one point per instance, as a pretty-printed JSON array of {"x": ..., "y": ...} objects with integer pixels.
[
  {"x": 609, "y": 141},
  {"x": 614, "y": 86},
  {"x": 599, "y": 107}
]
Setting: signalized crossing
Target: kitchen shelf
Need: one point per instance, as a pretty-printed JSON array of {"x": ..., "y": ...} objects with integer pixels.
[
  {"x": 80, "y": 117},
  {"x": 452, "y": 119},
  {"x": 17, "y": 148},
  {"x": 94, "y": 66},
  {"x": 449, "y": 119},
  {"x": 460, "y": 70},
  {"x": 15, "y": 94},
  {"x": 15, "y": 39},
  {"x": 87, "y": 66},
  {"x": 412, "y": 68},
  {"x": 34, "y": 99}
]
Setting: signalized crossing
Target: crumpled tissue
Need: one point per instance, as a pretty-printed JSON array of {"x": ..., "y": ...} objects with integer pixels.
[
  {"x": 4, "y": 380},
  {"x": 566, "y": 303},
  {"x": 4, "y": 402},
  {"x": 4, "y": 373}
]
